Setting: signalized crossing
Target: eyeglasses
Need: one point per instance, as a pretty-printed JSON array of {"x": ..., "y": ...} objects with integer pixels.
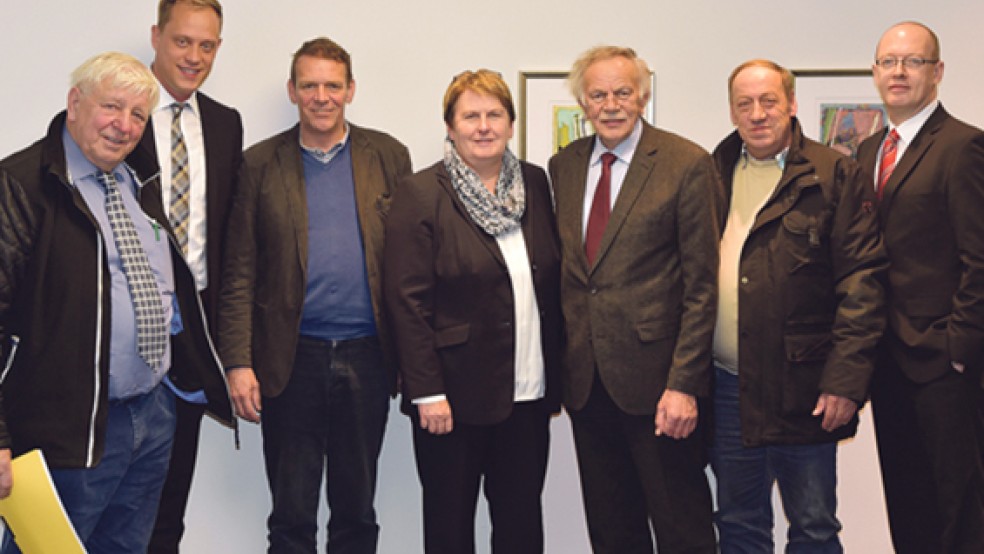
[
  {"x": 909, "y": 62},
  {"x": 600, "y": 97}
]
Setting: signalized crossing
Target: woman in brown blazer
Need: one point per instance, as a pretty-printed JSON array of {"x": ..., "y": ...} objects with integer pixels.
[{"x": 471, "y": 284}]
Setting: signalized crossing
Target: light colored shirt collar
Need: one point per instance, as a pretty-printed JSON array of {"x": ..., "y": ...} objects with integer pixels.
[
  {"x": 623, "y": 150},
  {"x": 325, "y": 156},
  {"x": 166, "y": 101},
  {"x": 780, "y": 158},
  {"x": 909, "y": 128}
]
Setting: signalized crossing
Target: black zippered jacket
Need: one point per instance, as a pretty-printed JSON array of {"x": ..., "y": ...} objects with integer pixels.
[{"x": 55, "y": 312}]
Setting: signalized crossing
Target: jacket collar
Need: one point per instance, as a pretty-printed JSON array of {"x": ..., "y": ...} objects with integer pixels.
[{"x": 728, "y": 153}]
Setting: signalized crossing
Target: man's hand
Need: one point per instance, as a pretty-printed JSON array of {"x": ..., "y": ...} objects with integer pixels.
[
  {"x": 6, "y": 473},
  {"x": 244, "y": 390},
  {"x": 676, "y": 414},
  {"x": 436, "y": 417},
  {"x": 836, "y": 411}
]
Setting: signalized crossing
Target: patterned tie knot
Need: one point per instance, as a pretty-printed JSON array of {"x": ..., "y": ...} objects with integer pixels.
[
  {"x": 892, "y": 141},
  {"x": 107, "y": 180},
  {"x": 177, "y": 108}
]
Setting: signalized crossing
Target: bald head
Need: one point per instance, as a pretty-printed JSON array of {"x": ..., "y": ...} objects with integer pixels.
[{"x": 907, "y": 69}]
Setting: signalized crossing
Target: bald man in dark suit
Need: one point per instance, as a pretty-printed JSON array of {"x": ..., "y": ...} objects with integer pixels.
[{"x": 928, "y": 170}]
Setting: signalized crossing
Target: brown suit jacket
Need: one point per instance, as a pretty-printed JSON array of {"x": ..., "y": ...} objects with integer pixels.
[
  {"x": 265, "y": 270},
  {"x": 450, "y": 298},
  {"x": 932, "y": 217},
  {"x": 644, "y": 314}
]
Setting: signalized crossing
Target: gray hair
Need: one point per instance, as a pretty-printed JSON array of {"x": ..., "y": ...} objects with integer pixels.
[{"x": 575, "y": 81}]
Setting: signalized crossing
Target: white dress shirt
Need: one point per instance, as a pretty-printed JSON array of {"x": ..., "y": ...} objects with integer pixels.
[{"x": 191, "y": 126}]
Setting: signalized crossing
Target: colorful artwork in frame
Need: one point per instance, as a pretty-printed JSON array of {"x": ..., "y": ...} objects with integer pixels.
[
  {"x": 569, "y": 124},
  {"x": 838, "y": 107},
  {"x": 844, "y": 126}
]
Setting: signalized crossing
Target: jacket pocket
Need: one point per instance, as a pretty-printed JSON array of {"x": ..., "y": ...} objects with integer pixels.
[
  {"x": 806, "y": 355},
  {"x": 805, "y": 242},
  {"x": 452, "y": 336},
  {"x": 14, "y": 344}
]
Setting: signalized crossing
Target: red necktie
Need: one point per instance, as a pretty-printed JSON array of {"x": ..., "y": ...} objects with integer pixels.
[
  {"x": 889, "y": 151},
  {"x": 600, "y": 208}
]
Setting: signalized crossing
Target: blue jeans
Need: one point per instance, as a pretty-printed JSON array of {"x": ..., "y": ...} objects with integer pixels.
[
  {"x": 329, "y": 421},
  {"x": 113, "y": 505},
  {"x": 806, "y": 476}
]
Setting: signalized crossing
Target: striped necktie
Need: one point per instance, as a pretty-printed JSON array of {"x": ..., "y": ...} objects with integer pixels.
[
  {"x": 889, "y": 151},
  {"x": 152, "y": 331}
]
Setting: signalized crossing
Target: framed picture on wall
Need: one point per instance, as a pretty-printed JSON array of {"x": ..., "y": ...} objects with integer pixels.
[
  {"x": 838, "y": 107},
  {"x": 550, "y": 117}
]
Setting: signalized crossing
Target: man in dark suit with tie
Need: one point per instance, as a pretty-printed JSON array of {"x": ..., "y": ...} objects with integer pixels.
[
  {"x": 928, "y": 170},
  {"x": 196, "y": 145},
  {"x": 637, "y": 211}
]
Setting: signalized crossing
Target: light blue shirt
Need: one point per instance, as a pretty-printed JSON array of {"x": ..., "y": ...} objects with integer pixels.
[{"x": 129, "y": 374}]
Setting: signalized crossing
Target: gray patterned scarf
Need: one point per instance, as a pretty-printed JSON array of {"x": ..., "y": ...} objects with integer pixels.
[{"x": 495, "y": 214}]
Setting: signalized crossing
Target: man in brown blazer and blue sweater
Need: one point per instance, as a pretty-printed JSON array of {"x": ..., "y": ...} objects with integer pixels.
[
  {"x": 637, "y": 211},
  {"x": 928, "y": 171},
  {"x": 301, "y": 327}
]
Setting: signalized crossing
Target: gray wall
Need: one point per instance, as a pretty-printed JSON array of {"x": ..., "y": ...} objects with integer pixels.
[{"x": 404, "y": 56}]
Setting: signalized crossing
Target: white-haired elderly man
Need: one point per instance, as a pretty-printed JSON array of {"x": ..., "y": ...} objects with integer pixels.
[{"x": 95, "y": 303}]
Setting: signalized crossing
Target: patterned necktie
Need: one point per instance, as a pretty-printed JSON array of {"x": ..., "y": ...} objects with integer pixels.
[
  {"x": 152, "y": 332},
  {"x": 600, "y": 208},
  {"x": 180, "y": 181},
  {"x": 887, "y": 165}
]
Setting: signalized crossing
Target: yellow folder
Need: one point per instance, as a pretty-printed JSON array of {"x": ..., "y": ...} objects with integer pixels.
[{"x": 34, "y": 513}]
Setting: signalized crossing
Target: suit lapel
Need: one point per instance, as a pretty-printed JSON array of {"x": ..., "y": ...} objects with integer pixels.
[
  {"x": 370, "y": 190},
  {"x": 570, "y": 214},
  {"x": 921, "y": 144},
  {"x": 209, "y": 125},
  {"x": 292, "y": 180}
]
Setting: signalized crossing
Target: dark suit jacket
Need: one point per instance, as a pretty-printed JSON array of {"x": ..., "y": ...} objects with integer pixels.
[
  {"x": 932, "y": 216},
  {"x": 644, "y": 314},
  {"x": 222, "y": 133},
  {"x": 450, "y": 297},
  {"x": 265, "y": 270}
]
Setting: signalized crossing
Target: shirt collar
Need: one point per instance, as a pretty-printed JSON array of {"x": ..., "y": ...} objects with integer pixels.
[
  {"x": 780, "y": 158},
  {"x": 166, "y": 100},
  {"x": 909, "y": 128},
  {"x": 624, "y": 150},
  {"x": 325, "y": 156}
]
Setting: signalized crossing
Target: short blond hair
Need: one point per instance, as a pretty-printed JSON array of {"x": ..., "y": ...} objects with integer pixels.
[
  {"x": 575, "y": 81},
  {"x": 118, "y": 71},
  {"x": 165, "y": 7},
  {"x": 482, "y": 81}
]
